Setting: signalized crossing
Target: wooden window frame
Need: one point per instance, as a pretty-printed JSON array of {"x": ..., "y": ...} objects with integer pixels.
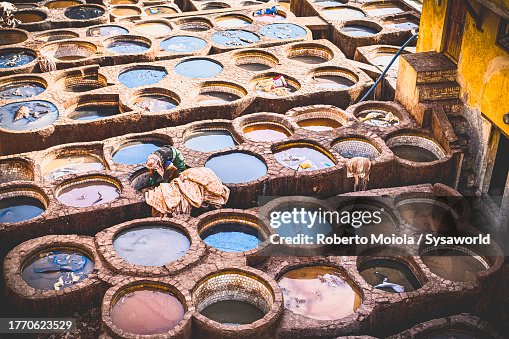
[{"x": 503, "y": 34}]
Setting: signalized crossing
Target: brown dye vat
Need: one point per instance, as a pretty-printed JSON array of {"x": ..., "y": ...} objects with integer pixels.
[
  {"x": 454, "y": 263},
  {"x": 319, "y": 292},
  {"x": 146, "y": 312},
  {"x": 319, "y": 124},
  {"x": 266, "y": 131},
  {"x": 122, "y": 2},
  {"x": 125, "y": 11},
  {"x": 12, "y": 36},
  {"x": 61, "y": 4},
  {"x": 427, "y": 216},
  {"x": 28, "y": 17},
  {"x": 255, "y": 60},
  {"x": 57, "y": 35}
]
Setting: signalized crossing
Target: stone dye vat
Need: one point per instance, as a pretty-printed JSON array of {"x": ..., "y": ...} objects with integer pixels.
[
  {"x": 402, "y": 23},
  {"x": 259, "y": 84},
  {"x": 303, "y": 157},
  {"x": 56, "y": 35},
  {"x": 390, "y": 275},
  {"x": 27, "y": 115},
  {"x": 23, "y": 87},
  {"x": 122, "y": 45},
  {"x": 136, "y": 152},
  {"x": 234, "y": 38},
  {"x": 209, "y": 140},
  {"x": 351, "y": 148},
  {"x": 270, "y": 18},
  {"x": 84, "y": 12},
  {"x": 141, "y": 76},
  {"x": 354, "y": 30},
  {"x": 53, "y": 169},
  {"x": 16, "y": 57},
  {"x": 30, "y": 16},
  {"x": 57, "y": 269},
  {"x": 218, "y": 93},
  {"x": 237, "y": 167},
  {"x": 146, "y": 309},
  {"x": 13, "y": 36},
  {"x": 415, "y": 148},
  {"x": 283, "y": 31},
  {"x": 155, "y": 102},
  {"x": 233, "y": 298},
  {"x": 266, "y": 131},
  {"x": 342, "y": 13},
  {"x": 319, "y": 119},
  {"x": 198, "y": 68},
  {"x": 428, "y": 214},
  {"x": 183, "y": 44},
  {"x": 78, "y": 83},
  {"x": 386, "y": 224},
  {"x": 195, "y": 24},
  {"x": 382, "y": 9},
  {"x": 319, "y": 292},
  {"x": 329, "y": 3},
  {"x": 319, "y": 124},
  {"x": 125, "y": 11},
  {"x": 333, "y": 78},
  {"x": 16, "y": 169},
  {"x": 61, "y": 4},
  {"x": 88, "y": 191},
  {"x": 310, "y": 53},
  {"x": 228, "y": 21},
  {"x": 153, "y": 28},
  {"x": 106, "y": 31},
  {"x": 160, "y": 10},
  {"x": 148, "y": 245},
  {"x": 455, "y": 263},
  {"x": 378, "y": 117},
  {"x": 20, "y": 208},
  {"x": 255, "y": 60},
  {"x": 69, "y": 51},
  {"x": 94, "y": 112}
]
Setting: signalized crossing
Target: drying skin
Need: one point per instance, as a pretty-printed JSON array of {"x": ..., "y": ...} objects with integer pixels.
[
  {"x": 7, "y": 19},
  {"x": 359, "y": 169}
]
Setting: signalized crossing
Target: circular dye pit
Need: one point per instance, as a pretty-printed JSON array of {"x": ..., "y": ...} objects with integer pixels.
[
  {"x": 136, "y": 152},
  {"x": 128, "y": 46},
  {"x": 15, "y": 169},
  {"x": 342, "y": 13},
  {"x": 27, "y": 115},
  {"x": 198, "y": 68},
  {"x": 107, "y": 31},
  {"x": 293, "y": 228},
  {"x": 234, "y": 37},
  {"x": 71, "y": 164},
  {"x": 378, "y": 118},
  {"x": 94, "y": 112},
  {"x": 12, "y": 36},
  {"x": 310, "y": 54},
  {"x": 21, "y": 88},
  {"x": 57, "y": 270},
  {"x": 382, "y": 9},
  {"x": 232, "y": 237},
  {"x": 10, "y": 58},
  {"x": 210, "y": 140},
  {"x": 153, "y": 29},
  {"x": 266, "y": 131},
  {"x": 283, "y": 31},
  {"x": 69, "y": 51},
  {"x": 413, "y": 153},
  {"x": 20, "y": 208},
  {"x": 57, "y": 35},
  {"x": 331, "y": 81},
  {"x": 183, "y": 44},
  {"x": 30, "y": 16},
  {"x": 155, "y": 103},
  {"x": 195, "y": 25},
  {"x": 232, "y": 21},
  {"x": 427, "y": 215},
  {"x": 403, "y": 25},
  {"x": 389, "y": 275},
  {"x": 147, "y": 311},
  {"x": 255, "y": 61},
  {"x": 160, "y": 10},
  {"x": 122, "y": 2},
  {"x": 318, "y": 292},
  {"x": 359, "y": 31},
  {"x": 92, "y": 192},
  {"x": 78, "y": 83},
  {"x": 384, "y": 224},
  {"x": 352, "y": 148},
  {"x": 237, "y": 167},
  {"x": 303, "y": 158},
  {"x": 233, "y": 312},
  {"x": 415, "y": 148},
  {"x": 148, "y": 245},
  {"x": 83, "y": 12},
  {"x": 319, "y": 124},
  {"x": 125, "y": 11},
  {"x": 329, "y": 3},
  {"x": 265, "y": 85},
  {"x": 454, "y": 263},
  {"x": 216, "y": 98},
  {"x": 61, "y": 4},
  {"x": 141, "y": 76},
  {"x": 270, "y": 18},
  {"x": 382, "y": 60}
]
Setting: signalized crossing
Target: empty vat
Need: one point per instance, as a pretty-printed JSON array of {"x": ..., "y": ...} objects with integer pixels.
[
  {"x": 237, "y": 167},
  {"x": 310, "y": 53},
  {"x": 319, "y": 292},
  {"x": 183, "y": 44},
  {"x": 70, "y": 164},
  {"x": 27, "y": 115},
  {"x": 283, "y": 31},
  {"x": 303, "y": 157},
  {"x": 141, "y": 76},
  {"x": 136, "y": 152},
  {"x": 234, "y": 37},
  {"x": 389, "y": 275},
  {"x": 198, "y": 68},
  {"x": 209, "y": 140},
  {"x": 57, "y": 269},
  {"x": 147, "y": 245},
  {"x": 85, "y": 192}
]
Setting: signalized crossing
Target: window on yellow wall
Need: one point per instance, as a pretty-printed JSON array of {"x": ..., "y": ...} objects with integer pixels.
[{"x": 503, "y": 34}]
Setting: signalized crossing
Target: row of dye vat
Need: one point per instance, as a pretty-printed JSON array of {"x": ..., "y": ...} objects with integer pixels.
[
  {"x": 336, "y": 11},
  {"x": 309, "y": 283}
]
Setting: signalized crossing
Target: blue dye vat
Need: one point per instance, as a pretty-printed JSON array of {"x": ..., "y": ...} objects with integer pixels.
[
  {"x": 234, "y": 37},
  {"x": 41, "y": 113},
  {"x": 283, "y": 31},
  {"x": 21, "y": 90},
  {"x": 127, "y": 47},
  {"x": 83, "y": 12},
  {"x": 210, "y": 141},
  {"x": 15, "y": 58},
  {"x": 136, "y": 152},
  {"x": 199, "y": 68},
  {"x": 19, "y": 209},
  {"x": 93, "y": 112},
  {"x": 141, "y": 77},
  {"x": 183, "y": 44},
  {"x": 237, "y": 167},
  {"x": 106, "y": 31},
  {"x": 232, "y": 237}
]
